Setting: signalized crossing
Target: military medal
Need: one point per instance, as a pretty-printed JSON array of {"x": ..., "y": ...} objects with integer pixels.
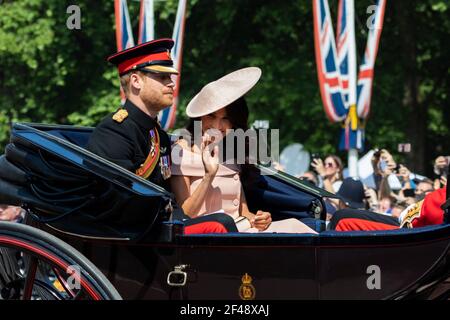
[
  {"x": 165, "y": 167},
  {"x": 152, "y": 142}
]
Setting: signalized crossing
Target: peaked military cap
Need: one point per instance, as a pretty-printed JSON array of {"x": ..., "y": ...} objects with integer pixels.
[{"x": 152, "y": 56}]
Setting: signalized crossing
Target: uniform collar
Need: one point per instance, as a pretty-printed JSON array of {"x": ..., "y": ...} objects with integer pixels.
[{"x": 139, "y": 116}]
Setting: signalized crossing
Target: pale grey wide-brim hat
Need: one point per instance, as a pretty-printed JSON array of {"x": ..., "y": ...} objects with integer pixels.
[{"x": 220, "y": 93}]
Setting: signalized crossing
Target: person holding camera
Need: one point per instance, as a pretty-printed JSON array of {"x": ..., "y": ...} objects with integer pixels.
[
  {"x": 407, "y": 193},
  {"x": 441, "y": 165},
  {"x": 404, "y": 175},
  {"x": 383, "y": 166},
  {"x": 330, "y": 171}
]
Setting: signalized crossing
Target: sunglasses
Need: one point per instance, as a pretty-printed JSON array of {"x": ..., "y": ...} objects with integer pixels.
[
  {"x": 419, "y": 191},
  {"x": 329, "y": 164}
]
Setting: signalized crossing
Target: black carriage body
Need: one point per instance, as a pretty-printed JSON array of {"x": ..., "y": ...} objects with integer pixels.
[
  {"x": 405, "y": 263},
  {"x": 329, "y": 266}
]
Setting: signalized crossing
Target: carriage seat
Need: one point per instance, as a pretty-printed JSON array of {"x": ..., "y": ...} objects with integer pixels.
[{"x": 47, "y": 170}]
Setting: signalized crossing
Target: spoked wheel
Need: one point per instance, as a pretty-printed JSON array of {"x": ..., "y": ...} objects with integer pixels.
[{"x": 35, "y": 265}]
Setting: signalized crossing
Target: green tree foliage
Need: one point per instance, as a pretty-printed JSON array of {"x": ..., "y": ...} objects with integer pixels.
[
  {"x": 51, "y": 74},
  {"x": 48, "y": 71}
]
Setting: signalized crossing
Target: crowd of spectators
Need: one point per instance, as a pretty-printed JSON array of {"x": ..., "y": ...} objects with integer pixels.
[{"x": 394, "y": 186}]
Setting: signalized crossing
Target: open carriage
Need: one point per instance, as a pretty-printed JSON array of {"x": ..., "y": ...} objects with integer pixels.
[{"x": 94, "y": 230}]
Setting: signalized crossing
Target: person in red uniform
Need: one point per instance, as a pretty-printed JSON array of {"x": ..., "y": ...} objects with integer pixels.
[{"x": 426, "y": 212}]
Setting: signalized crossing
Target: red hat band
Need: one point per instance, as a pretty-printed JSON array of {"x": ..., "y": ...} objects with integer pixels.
[{"x": 132, "y": 63}]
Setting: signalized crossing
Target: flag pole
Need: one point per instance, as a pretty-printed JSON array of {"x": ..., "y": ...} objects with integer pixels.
[{"x": 352, "y": 119}]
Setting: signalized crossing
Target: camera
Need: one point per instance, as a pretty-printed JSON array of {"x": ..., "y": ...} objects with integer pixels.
[
  {"x": 315, "y": 156},
  {"x": 443, "y": 172},
  {"x": 382, "y": 165},
  {"x": 409, "y": 193}
]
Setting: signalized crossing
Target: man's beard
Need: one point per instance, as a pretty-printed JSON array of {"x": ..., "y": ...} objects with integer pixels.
[
  {"x": 156, "y": 103},
  {"x": 420, "y": 197}
]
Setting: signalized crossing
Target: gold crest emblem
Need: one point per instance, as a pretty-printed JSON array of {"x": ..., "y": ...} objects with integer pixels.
[
  {"x": 413, "y": 212},
  {"x": 120, "y": 115},
  {"x": 247, "y": 291}
]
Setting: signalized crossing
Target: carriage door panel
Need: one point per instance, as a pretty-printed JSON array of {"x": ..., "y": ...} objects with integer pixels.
[
  {"x": 249, "y": 272},
  {"x": 375, "y": 272}
]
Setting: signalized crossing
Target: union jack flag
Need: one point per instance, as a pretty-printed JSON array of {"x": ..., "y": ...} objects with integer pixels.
[
  {"x": 345, "y": 97},
  {"x": 167, "y": 116},
  {"x": 328, "y": 71},
  {"x": 351, "y": 135},
  {"x": 124, "y": 33},
  {"x": 366, "y": 69},
  {"x": 146, "y": 22},
  {"x": 343, "y": 49}
]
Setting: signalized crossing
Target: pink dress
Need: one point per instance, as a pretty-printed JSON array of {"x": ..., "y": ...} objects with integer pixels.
[{"x": 224, "y": 193}]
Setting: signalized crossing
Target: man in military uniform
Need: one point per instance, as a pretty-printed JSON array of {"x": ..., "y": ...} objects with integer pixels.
[{"x": 132, "y": 137}]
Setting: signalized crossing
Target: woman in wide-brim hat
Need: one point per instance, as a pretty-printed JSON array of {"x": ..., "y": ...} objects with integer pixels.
[{"x": 202, "y": 184}]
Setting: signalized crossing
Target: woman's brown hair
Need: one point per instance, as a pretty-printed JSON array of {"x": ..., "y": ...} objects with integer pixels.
[
  {"x": 339, "y": 164},
  {"x": 237, "y": 113}
]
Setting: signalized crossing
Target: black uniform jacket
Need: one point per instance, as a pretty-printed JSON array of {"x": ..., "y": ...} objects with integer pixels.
[{"x": 127, "y": 141}]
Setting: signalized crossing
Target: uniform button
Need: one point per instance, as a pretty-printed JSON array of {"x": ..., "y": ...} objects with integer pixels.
[
  {"x": 236, "y": 202},
  {"x": 236, "y": 177}
]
